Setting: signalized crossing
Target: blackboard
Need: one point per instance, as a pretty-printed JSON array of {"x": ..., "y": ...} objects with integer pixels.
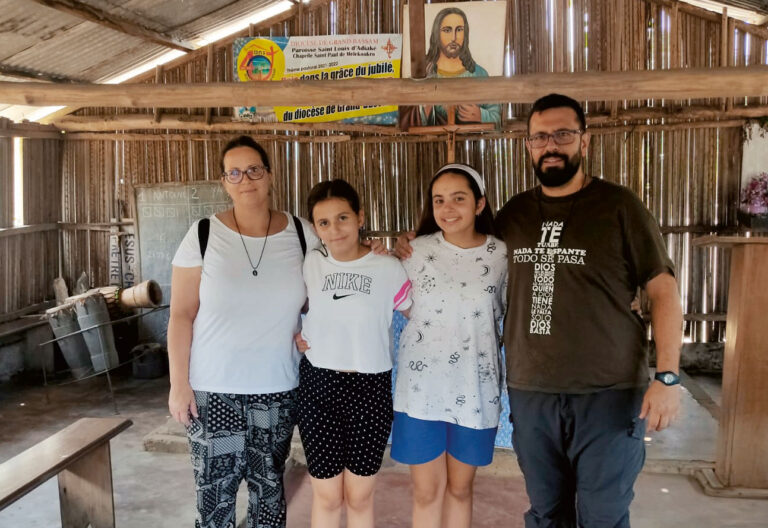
[{"x": 164, "y": 213}]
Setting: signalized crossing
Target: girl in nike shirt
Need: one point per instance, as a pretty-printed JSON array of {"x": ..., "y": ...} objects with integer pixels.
[{"x": 345, "y": 388}]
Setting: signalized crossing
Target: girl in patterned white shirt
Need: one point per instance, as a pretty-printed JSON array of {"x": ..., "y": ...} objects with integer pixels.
[{"x": 449, "y": 368}]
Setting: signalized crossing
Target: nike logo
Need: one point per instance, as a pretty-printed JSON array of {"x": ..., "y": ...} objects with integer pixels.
[{"x": 336, "y": 296}]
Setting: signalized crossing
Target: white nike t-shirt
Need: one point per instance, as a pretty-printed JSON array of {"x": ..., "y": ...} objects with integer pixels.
[
  {"x": 348, "y": 326},
  {"x": 242, "y": 337}
]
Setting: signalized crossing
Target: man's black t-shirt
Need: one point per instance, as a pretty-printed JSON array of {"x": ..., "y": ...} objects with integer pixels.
[{"x": 575, "y": 264}]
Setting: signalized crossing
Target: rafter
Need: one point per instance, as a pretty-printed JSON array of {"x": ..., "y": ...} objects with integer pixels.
[
  {"x": 23, "y": 73},
  {"x": 93, "y": 14}
]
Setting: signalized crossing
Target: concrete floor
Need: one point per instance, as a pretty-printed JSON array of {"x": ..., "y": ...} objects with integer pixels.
[{"x": 156, "y": 489}]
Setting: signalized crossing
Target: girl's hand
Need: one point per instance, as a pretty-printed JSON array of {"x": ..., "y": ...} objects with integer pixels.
[
  {"x": 181, "y": 403},
  {"x": 301, "y": 344},
  {"x": 377, "y": 246},
  {"x": 403, "y": 249}
]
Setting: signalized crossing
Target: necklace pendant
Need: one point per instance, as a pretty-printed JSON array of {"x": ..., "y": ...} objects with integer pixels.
[{"x": 255, "y": 272}]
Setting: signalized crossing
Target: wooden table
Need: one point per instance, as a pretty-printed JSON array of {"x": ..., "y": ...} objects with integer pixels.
[{"x": 741, "y": 465}]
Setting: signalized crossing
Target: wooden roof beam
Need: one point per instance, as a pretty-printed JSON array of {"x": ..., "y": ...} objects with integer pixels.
[
  {"x": 694, "y": 83},
  {"x": 93, "y": 14},
  {"x": 108, "y": 123},
  {"x": 517, "y": 133},
  {"x": 127, "y": 122},
  {"x": 23, "y": 73}
]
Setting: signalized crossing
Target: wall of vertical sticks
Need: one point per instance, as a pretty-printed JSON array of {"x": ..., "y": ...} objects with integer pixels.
[
  {"x": 682, "y": 157},
  {"x": 29, "y": 257}
]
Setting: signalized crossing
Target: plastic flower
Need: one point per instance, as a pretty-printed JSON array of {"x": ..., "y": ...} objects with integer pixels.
[{"x": 754, "y": 195}]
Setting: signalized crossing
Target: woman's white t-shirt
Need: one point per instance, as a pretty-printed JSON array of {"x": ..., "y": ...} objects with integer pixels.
[
  {"x": 242, "y": 337},
  {"x": 350, "y": 310},
  {"x": 449, "y": 365}
]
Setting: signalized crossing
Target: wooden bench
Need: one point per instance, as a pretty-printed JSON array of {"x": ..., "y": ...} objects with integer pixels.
[{"x": 79, "y": 454}]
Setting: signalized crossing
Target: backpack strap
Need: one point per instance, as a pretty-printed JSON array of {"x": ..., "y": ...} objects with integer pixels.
[
  {"x": 203, "y": 228},
  {"x": 300, "y": 232}
]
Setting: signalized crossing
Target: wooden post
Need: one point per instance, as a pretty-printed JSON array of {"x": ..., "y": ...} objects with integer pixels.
[
  {"x": 450, "y": 154},
  {"x": 450, "y": 111},
  {"x": 301, "y": 17},
  {"x": 742, "y": 451},
  {"x": 742, "y": 448},
  {"x": 209, "y": 72},
  {"x": 674, "y": 37},
  {"x": 674, "y": 44},
  {"x": 85, "y": 491},
  {"x": 616, "y": 48},
  {"x": 417, "y": 39},
  {"x": 158, "y": 80},
  {"x": 731, "y": 49},
  {"x": 559, "y": 45},
  {"x": 724, "y": 48}
]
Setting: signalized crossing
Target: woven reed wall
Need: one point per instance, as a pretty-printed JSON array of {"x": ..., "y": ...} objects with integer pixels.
[
  {"x": 688, "y": 177},
  {"x": 6, "y": 182},
  {"x": 29, "y": 260}
]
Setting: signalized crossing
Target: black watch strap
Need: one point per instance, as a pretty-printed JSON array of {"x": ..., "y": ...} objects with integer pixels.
[{"x": 667, "y": 378}]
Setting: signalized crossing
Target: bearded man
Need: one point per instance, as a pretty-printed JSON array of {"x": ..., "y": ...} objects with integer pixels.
[{"x": 577, "y": 361}]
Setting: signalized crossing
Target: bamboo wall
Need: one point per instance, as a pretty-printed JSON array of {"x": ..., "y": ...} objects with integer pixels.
[
  {"x": 88, "y": 197},
  {"x": 42, "y": 181},
  {"x": 29, "y": 258},
  {"x": 6, "y": 182},
  {"x": 687, "y": 176}
]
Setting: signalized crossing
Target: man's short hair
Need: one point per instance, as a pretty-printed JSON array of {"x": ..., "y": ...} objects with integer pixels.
[{"x": 554, "y": 100}]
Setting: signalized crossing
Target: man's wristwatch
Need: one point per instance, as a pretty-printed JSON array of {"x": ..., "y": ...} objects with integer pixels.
[{"x": 668, "y": 378}]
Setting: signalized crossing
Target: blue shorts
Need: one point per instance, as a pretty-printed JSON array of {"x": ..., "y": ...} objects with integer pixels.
[{"x": 417, "y": 441}]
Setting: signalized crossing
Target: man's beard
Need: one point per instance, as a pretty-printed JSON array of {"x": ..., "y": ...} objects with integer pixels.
[
  {"x": 449, "y": 51},
  {"x": 557, "y": 176}
]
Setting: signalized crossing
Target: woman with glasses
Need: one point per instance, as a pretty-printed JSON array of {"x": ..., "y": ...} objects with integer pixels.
[{"x": 236, "y": 297}]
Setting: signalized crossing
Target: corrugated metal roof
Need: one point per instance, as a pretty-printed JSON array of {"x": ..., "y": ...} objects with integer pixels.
[
  {"x": 750, "y": 11},
  {"x": 74, "y": 52},
  {"x": 24, "y": 24},
  {"x": 760, "y": 6},
  {"x": 226, "y": 16},
  {"x": 37, "y": 38},
  {"x": 187, "y": 19},
  {"x": 164, "y": 16}
]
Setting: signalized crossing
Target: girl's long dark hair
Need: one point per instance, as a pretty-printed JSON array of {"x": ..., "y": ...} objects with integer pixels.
[{"x": 483, "y": 222}]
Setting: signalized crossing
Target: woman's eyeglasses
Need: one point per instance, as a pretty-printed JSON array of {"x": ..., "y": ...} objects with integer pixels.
[{"x": 254, "y": 172}]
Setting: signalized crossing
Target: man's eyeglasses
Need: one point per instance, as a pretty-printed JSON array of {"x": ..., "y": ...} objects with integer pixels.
[
  {"x": 561, "y": 137},
  {"x": 254, "y": 172}
]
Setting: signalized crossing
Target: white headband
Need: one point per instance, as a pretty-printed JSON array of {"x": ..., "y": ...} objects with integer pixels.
[{"x": 464, "y": 168}]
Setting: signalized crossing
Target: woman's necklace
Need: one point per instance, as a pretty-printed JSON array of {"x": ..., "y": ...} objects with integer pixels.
[{"x": 256, "y": 267}]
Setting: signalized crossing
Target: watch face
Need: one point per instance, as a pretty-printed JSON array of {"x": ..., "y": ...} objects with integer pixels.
[{"x": 668, "y": 378}]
